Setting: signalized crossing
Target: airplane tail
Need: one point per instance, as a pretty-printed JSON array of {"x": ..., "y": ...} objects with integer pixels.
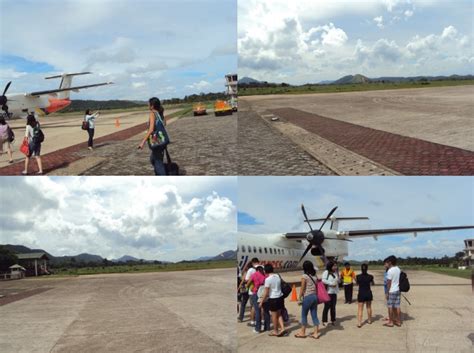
[{"x": 66, "y": 82}]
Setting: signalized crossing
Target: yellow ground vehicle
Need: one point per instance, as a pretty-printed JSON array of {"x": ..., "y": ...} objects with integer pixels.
[
  {"x": 222, "y": 108},
  {"x": 199, "y": 109}
]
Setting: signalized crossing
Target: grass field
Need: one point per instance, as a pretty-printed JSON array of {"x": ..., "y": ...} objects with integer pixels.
[
  {"x": 244, "y": 91},
  {"x": 432, "y": 268},
  {"x": 186, "y": 266}
]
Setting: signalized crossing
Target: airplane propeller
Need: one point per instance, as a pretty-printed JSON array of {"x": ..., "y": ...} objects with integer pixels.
[
  {"x": 316, "y": 237},
  {"x": 3, "y": 98}
]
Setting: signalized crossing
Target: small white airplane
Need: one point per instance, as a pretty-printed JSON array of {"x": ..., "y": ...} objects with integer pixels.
[
  {"x": 42, "y": 102},
  {"x": 287, "y": 251}
]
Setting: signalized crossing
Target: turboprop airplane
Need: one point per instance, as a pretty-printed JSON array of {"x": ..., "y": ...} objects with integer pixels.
[
  {"x": 42, "y": 102},
  {"x": 286, "y": 251}
]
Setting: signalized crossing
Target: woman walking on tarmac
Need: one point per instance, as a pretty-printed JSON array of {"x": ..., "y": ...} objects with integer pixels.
[
  {"x": 34, "y": 137},
  {"x": 6, "y": 137},
  {"x": 275, "y": 300},
  {"x": 364, "y": 280},
  {"x": 310, "y": 300},
  {"x": 331, "y": 279},
  {"x": 89, "y": 119},
  {"x": 157, "y": 153}
]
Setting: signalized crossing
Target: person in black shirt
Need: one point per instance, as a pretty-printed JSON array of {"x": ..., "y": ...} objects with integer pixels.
[{"x": 364, "y": 280}]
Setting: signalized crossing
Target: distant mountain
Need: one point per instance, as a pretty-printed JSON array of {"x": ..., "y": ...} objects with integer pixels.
[
  {"x": 354, "y": 79},
  {"x": 125, "y": 258},
  {"x": 350, "y": 79},
  {"x": 20, "y": 249},
  {"x": 204, "y": 258},
  {"x": 247, "y": 81},
  {"x": 226, "y": 255},
  {"x": 325, "y": 82}
]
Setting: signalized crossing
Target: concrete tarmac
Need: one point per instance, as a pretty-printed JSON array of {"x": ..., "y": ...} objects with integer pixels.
[
  {"x": 442, "y": 115},
  {"x": 188, "y": 311},
  {"x": 439, "y": 319},
  {"x": 64, "y": 130}
]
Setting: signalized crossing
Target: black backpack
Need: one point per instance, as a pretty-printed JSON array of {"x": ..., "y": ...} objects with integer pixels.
[
  {"x": 11, "y": 134},
  {"x": 38, "y": 136},
  {"x": 285, "y": 287},
  {"x": 403, "y": 282}
]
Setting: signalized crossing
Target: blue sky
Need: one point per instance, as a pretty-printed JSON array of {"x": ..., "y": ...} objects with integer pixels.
[
  {"x": 147, "y": 47},
  {"x": 272, "y": 205},
  {"x": 315, "y": 40}
]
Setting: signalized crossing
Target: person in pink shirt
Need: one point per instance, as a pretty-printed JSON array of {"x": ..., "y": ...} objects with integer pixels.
[{"x": 257, "y": 279}]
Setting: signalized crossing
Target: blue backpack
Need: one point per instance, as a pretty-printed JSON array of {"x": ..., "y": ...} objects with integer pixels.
[{"x": 159, "y": 137}]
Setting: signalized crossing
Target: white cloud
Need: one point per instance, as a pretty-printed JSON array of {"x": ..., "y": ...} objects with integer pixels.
[
  {"x": 166, "y": 219},
  {"x": 138, "y": 84},
  {"x": 199, "y": 86},
  {"x": 312, "y": 40},
  {"x": 379, "y": 21}
]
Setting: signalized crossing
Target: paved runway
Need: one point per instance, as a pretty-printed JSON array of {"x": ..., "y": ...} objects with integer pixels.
[
  {"x": 439, "y": 320},
  {"x": 189, "y": 311},
  {"x": 441, "y": 115}
]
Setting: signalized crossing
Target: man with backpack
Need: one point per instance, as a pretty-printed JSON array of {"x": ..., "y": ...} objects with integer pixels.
[{"x": 393, "y": 295}]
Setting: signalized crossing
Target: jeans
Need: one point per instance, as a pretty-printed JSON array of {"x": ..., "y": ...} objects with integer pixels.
[
  {"x": 156, "y": 160},
  {"x": 254, "y": 301},
  {"x": 266, "y": 316},
  {"x": 91, "y": 137},
  {"x": 243, "y": 303},
  {"x": 348, "y": 292},
  {"x": 310, "y": 303},
  {"x": 330, "y": 305}
]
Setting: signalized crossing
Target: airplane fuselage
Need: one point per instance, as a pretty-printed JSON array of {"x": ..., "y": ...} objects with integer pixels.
[
  {"x": 21, "y": 104},
  {"x": 284, "y": 254}
]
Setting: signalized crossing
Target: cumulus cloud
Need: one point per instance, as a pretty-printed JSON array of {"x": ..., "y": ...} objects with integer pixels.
[
  {"x": 311, "y": 41},
  {"x": 141, "y": 217},
  {"x": 119, "y": 40},
  {"x": 379, "y": 21}
]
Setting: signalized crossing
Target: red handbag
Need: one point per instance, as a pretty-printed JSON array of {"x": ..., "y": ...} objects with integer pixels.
[{"x": 25, "y": 148}]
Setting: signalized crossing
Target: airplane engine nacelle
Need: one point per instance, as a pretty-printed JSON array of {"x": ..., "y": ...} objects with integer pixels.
[{"x": 316, "y": 252}]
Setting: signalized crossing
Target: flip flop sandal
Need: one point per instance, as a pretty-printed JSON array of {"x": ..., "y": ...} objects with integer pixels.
[
  {"x": 314, "y": 337},
  {"x": 387, "y": 325},
  {"x": 299, "y": 336},
  {"x": 282, "y": 333},
  {"x": 273, "y": 334},
  {"x": 359, "y": 326},
  {"x": 398, "y": 325}
]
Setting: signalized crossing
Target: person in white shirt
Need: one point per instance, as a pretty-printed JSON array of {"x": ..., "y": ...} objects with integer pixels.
[
  {"x": 252, "y": 297},
  {"x": 393, "y": 295},
  {"x": 90, "y": 118},
  {"x": 330, "y": 278},
  {"x": 275, "y": 300}
]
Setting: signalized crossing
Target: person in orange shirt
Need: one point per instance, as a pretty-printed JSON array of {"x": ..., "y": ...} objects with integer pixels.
[{"x": 348, "y": 276}]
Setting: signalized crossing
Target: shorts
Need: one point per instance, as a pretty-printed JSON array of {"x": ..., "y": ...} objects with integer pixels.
[
  {"x": 364, "y": 297},
  {"x": 275, "y": 304},
  {"x": 35, "y": 149},
  {"x": 393, "y": 300}
]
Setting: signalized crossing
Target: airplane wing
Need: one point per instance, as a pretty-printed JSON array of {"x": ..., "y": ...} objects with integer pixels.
[
  {"x": 42, "y": 93},
  {"x": 377, "y": 232}
]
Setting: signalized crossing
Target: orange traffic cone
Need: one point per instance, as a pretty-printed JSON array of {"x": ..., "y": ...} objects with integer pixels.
[
  {"x": 117, "y": 123},
  {"x": 294, "y": 297}
]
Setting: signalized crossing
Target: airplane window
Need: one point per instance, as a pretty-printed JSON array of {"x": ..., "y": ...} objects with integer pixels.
[
  {"x": 279, "y": 253},
  {"x": 260, "y": 250},
  {"x": 243, "y": 248},
  {"x": 249, "y": 248},
  {"x": 265, "y": 249},
  {"x": 255, "y": 249}
]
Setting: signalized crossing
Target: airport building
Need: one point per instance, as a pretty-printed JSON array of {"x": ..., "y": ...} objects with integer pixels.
[
  {"x": 469, "y": 252},
  {"x": 36, "y": 264}
]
